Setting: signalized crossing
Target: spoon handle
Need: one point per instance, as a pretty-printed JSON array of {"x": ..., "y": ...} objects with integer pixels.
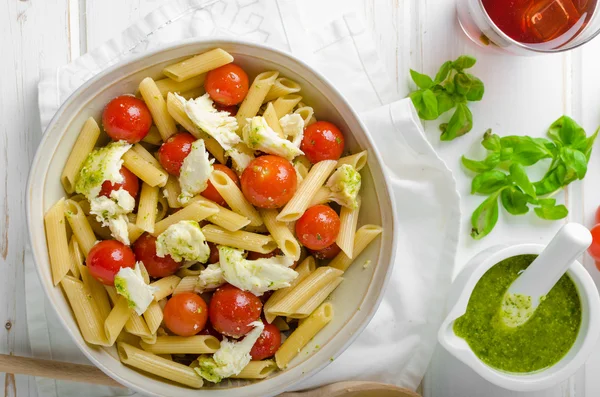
[{"x": 545, "y": 271}]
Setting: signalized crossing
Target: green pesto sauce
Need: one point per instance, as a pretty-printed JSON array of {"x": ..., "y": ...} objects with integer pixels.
[{"x": 537, "y": 344}]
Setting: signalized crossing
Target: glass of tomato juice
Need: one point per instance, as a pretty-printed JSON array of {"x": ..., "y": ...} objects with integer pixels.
[{"x": 529, "y": 27}]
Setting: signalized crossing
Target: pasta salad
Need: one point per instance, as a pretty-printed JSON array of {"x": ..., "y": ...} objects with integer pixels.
[{"x": 205, "y": 235}]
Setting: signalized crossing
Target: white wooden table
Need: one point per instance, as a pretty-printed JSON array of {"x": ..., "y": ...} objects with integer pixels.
[{"x": 523, "y": 96}]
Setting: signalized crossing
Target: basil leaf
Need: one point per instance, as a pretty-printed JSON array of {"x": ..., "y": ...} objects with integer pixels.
[
  {"x": 525, "y": 150},
  {"x": 429, "y": 110},
  {"x": 552, "y": 181},
  {"x": 546, "y": 202},
  {"x": 484, "y": 218},
  {"x": 449, "y": 87},
  {"x": 514, "y": 201},
  {"x": 567, "y": 132},
  {"x": 489, "y": 182},
  {"x": 491, "y": 141},
  {"x": 469, "y": 86},
  {"x": 417, "y": 99},
  {"x": 552, "y": 213},
  {"x": 443, "y": 73},
  {"x": 421, "y": 80},
  {"x": 460, "y": 123},
  {"x": 464, "y": 62},
  {"x": 574, "y": 160},
  {"x": 488, "y": 164},
  {"x": 445, "y": 101},
  {"x": 520, "y": 178},
  {"x": 586, "y": 146}
]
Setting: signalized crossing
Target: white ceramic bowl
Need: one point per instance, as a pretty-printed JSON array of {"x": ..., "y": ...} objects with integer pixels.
[
  {"x": 458, "y": 298},
  {"x": 361, "y": 288}
]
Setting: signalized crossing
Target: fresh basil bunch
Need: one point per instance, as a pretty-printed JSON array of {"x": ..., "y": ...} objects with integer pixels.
[
  {"x": 451, "y": 88},
  {"x": 502, "y": 173}
]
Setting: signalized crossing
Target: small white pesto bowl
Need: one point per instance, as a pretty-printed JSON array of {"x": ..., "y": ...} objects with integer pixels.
[
  {"x": 458, "y": 299},
  {"x": 361, "y": 288}
]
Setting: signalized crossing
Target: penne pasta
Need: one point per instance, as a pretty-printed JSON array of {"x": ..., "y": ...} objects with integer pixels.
[
  {"x": 281, "y": 87},
  {"x": 134, "y": 232},
  {"x": 348, "y": 222},
  {"x": 177, "y": 111},
  {"x": 56, "y": 238},
  {"x": 198, "y": 65},
  {"x": 357, "y": 160},
  {"x": 162, "y": 207},
  {"x": 158, "y": 366},
  {"x": 153, "y": 316},
  {"x": 321, "y": 196},
  {"x": 193, "y": 93},
  {"x": 240, "y": 239},
  {"x": 158, "y": 108},
  {"x": 225, "y": 218},
  {"x": 257, "y": 370},
  {"x": 187, "y": 284},
  {"x": 306, "y": 112},
  {"x": 304, "y": 269},
  {"x": 285, "y": 104},
  {"x": 315, "y": 179},
  {"x": 169, "y": 85},
  {"x": 74, "y": 252},
  {"x": 81, "y": 227},
  {"x": 146, "y": 215},
  {"x": 115, "y": 322},
  {"x": 315, "y": 300},
  {"x": 280, "y": 323},
  {"x": 255, "y": 97},
  {"x": 196, "y": 211},
  {"x": 303, "y": 334},
  {"x": 146, "y": 155},
  {"x": 97, "y": 290},
  {"x": 153, "y": 137},
  {"x": 83, "y": 147},
  {"x": 143, "y": 169},
  {"x": 136, "y": 325},
  {"x": 171, "y": 192},
  {"x": 102, "y": 232},
  {"x": 234, "y": 197},
  {"x": 284, "y": 238},
  {"x": 272, "y": 120},
  {"x": 165, "y": 287},
  {"x": 363, "y": 237},
  {"x": 197, "y": 344}
]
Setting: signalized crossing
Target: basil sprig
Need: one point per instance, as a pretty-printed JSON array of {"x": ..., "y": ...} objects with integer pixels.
[
  {"x": 452, "y": 88},
  {"x": 502, "y": 173}
]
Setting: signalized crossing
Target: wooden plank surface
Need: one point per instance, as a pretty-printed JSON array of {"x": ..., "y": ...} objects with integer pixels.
[{"x": 523, "y": 96}]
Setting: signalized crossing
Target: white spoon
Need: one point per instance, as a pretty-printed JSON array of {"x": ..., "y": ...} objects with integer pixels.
[{"x": 524, "y": 294}]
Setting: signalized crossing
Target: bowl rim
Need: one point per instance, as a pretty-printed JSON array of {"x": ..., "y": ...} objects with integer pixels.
[
  {"x": 386, "y": 189},
  {"x": 475, "y": 269}
]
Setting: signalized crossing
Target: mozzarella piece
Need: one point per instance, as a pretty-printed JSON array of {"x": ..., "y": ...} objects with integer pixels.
[
  {"x": 112, "y": 212},
  {"x": 219, "y": 125},
  {"x": 210, "y": 278},
  {"x": 183, "y": 240},
  {"x": 241, "y": 156},
  {"x": 344, "y": 185},
  {"x": 101, "y": 165},
  {"x": 231, "y": 358},
  {"x": 130, "y": 284},
  {"x": 257, "y": 276},
  {"x": 195, "y": 171},
  {"x": 259, "y": 136},
  {"x": 293, "y": 127}
]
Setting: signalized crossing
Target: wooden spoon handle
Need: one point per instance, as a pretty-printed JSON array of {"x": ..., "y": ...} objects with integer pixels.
[
  {"x": 55, "y": 369},
  {"x": 354, "y": 388}
]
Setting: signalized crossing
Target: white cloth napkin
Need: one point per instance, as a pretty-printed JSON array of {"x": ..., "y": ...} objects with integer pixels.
[{"x": 398, "y": 343}]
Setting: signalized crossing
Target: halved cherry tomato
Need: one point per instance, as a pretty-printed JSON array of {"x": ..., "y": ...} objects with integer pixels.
[
  {"x": 269, "y": 181},
  {"x": 211, "y": 193},
  {"x": 214, "y": 253},
  {"x": 145, "y": 251},
  {"x": 597, "y": 217},
  {"x": 267, "y": 344},
  {"x": 185, "y": 314},
  {"x": 126, "y": 118},
  {"x": 232, "y": 110},
  {"x": 231, "y": 310},
  {"x": 106, "y": 258},
  {"x": 594, "y": 249},
  {"x": 322, "y": 141},
  {"x": 227, "y": 85},
  {"x": 328, "y": 252},
  {"x": 131, "y": 183},
  {"x": 172, "y": 153},
  {"x": 318, "y": 227}
]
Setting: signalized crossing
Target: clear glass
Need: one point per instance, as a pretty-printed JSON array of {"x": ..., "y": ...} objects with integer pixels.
[{"x": 480, "y": 28}]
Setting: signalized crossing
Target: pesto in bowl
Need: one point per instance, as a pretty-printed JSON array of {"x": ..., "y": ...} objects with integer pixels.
[{"x": 537, "y": 344}]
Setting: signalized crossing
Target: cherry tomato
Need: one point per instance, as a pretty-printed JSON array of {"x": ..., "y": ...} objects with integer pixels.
[
  {"x": 131, "y": 183},
  {"x": 318, "y": 227},
  {"x": 267, "y": 344},
  {"x": 227, "y": 85},
  {"x": 211, "y": 193},
  {"x": 328, "y": 252},
  {"x": 185, "y": 314},
  {"x": 231, "y": 310},
  {"x": 597, "y": 218},
  {"x": 172, "y": 153},
  {"x": 232, "y": 110},
  {"x": 214, "y": 253},
  {"x": 209, "y": 330},
  {"x": 145, "y": 251},
  {"x": 594, "y": 249},
  {"x": 269, "y": 181},
  {"x": 322, "y": 141},
  {"x": 126, "y": 118},
  {"x": 106, "y": 258}
]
